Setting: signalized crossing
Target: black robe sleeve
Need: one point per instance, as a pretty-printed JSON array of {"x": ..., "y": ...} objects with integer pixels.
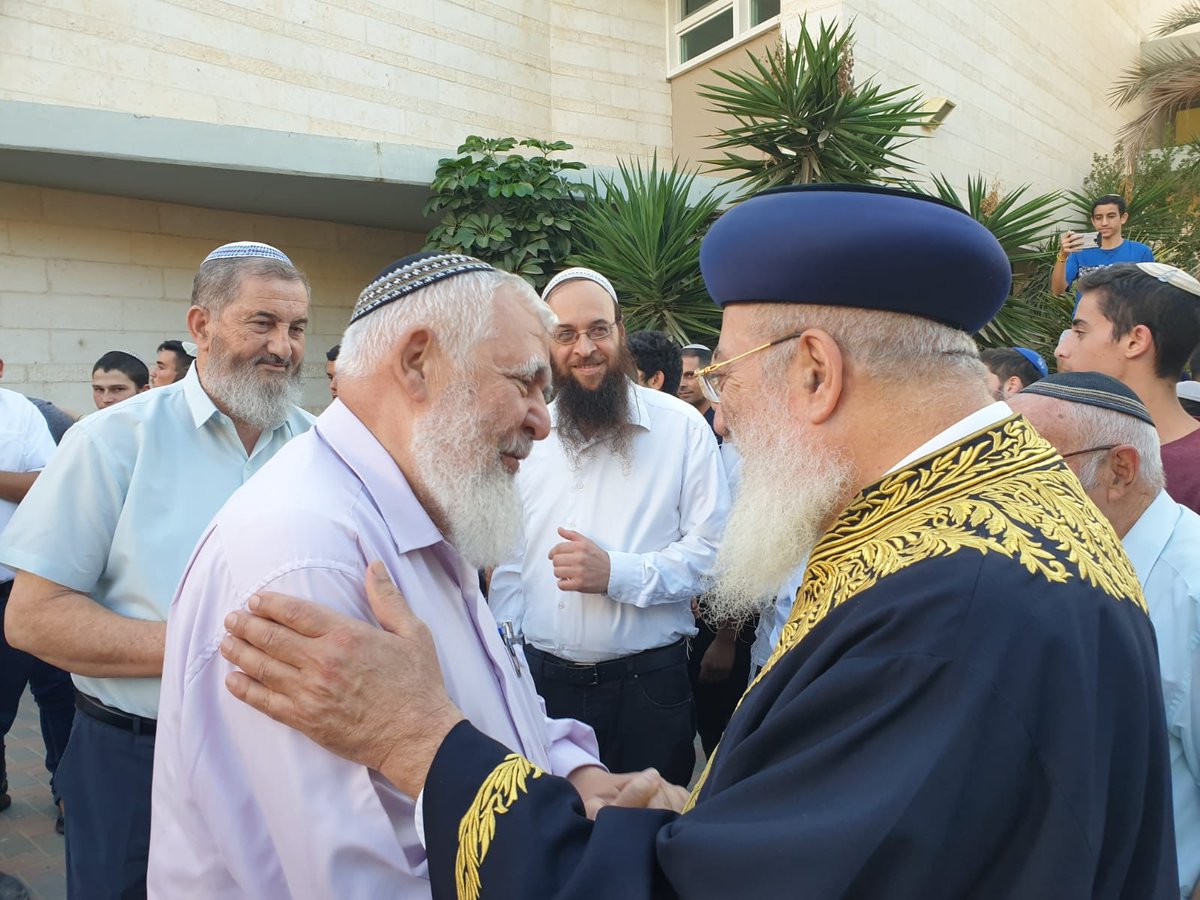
[{"x": 902, "y": 776}]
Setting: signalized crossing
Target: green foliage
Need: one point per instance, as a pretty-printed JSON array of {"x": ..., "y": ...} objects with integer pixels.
[
  {"x": 1032, "y": 316},
  {"x": 644, "y": 235},
  {"x": 805, "y": 119},
  {"x": 1162, "y": 82},
  {"x": 1162, "y": 193},
  {"x": 516, "y": 212}
]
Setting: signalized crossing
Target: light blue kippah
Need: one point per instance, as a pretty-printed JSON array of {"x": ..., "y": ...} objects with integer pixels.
[{"x": 247, "y": 249}]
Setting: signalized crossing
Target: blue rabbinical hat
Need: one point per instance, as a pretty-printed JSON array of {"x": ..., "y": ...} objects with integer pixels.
[
  {"x": 1093, "y": 389},
  {"x": 858, "y": 246}
]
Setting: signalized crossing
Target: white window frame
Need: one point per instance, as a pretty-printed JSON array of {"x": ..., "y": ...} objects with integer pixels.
[{"x": 742, "y": 30}]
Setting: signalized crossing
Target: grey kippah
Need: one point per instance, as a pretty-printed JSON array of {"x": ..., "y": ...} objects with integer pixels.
[{"x": 1093, "y": 389}]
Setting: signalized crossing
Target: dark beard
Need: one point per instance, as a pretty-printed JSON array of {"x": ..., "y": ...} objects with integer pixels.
[{"x": 587, "y": 415}]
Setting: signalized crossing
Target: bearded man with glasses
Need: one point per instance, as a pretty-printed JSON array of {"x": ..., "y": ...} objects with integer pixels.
[{"x": 624, "y": 505}]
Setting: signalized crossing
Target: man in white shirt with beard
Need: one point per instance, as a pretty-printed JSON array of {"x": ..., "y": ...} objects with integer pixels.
[{"x": 624, "y": 505}]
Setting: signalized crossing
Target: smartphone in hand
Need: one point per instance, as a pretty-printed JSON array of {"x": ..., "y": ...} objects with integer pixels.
[{"x": 1090, "y": 239}]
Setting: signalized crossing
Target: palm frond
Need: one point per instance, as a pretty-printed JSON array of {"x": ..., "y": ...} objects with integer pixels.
[
  {"x": 1184, "y": 17},
  {"x": 643, "y": 231}
]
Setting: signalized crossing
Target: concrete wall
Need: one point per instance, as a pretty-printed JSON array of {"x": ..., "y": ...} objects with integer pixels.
[
  {"x": 421, "y": 72},
  {"x": 81, "y": 274}
]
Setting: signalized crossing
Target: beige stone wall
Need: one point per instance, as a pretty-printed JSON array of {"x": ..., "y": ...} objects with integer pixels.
[
  {"x": 1030, "y": 79},
  {"x": 420, "y": 72},
  {"x": 81, "y": 274}
]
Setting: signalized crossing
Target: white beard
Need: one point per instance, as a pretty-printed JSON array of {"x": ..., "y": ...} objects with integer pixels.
[
  {"x": 458, "y": 459},
  {"x": 247, "y": 397},
  {"x": 790, "y": 490}
]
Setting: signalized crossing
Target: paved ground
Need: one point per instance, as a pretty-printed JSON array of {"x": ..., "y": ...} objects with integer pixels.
[{"x": 29, "y": 846}]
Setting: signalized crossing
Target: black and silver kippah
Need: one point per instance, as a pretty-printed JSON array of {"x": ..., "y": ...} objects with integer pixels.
[
  {"x": 1092, "y": 389},
  {"x": 410, "y": 274}
]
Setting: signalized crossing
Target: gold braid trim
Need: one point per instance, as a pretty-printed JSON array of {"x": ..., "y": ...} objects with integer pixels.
[
  {"x": 477, "y": 829},
  {"x": 1003, "y": 490}
]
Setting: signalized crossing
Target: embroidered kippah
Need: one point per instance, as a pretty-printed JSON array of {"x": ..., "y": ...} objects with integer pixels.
[
  {"x": 410, "y": 274},
  {"x": 247, "y": 249},
  {"x": 580, "y": 274},
  {"x": 1093, "y": 389},
  {"x": 1035, "y": 360},
  {"x": 1172, "y": 276}
]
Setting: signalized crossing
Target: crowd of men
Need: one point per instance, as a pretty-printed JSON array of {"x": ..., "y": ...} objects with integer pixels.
[{"x": 934, "y": 615}]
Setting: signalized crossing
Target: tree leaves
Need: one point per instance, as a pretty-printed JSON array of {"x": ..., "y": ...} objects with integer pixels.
[{"x": 514, "y": 211}]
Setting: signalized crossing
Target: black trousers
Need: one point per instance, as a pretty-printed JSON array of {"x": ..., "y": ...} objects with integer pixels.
[
  {"x": 716, "y": 701},
  {"x": 52, "y": 690},
  {"x": 104, "y": 780},
  {"x": 640, "y": 707}
]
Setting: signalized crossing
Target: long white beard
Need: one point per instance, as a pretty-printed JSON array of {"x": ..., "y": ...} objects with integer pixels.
[
  {"x": 790, "y": 490},
  {"x": 457, "y": 456},
  {"x": 249, "y": 397}
]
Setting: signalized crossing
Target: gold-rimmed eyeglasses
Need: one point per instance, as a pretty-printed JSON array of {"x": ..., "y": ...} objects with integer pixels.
[{"x": 710, "y": 385}]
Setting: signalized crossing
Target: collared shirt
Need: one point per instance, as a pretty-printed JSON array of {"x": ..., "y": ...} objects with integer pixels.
[
  {"x": 1164, "y": 547},
  {"x": 118, "y": 511},
  {"x": 25, "y": 446},
  {"x": 246, "y": 807},
  {"x": 659, "y": 516}
]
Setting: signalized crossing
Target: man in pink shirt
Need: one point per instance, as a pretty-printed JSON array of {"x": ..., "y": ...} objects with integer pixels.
[{"x": 441, "y": 382}]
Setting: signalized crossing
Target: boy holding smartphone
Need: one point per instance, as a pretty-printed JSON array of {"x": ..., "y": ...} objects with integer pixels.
[{"x": 1080, "y": 252}]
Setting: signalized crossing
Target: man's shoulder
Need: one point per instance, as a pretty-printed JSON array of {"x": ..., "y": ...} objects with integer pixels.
[
  {"x": 668, "y": 411},
  {"x": 1182, "y": 551}
]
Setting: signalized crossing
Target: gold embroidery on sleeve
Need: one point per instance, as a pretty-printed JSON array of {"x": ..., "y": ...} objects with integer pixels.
[
  {"x": 1002, "y": 491},
  {"x": 477, "y": 829}
]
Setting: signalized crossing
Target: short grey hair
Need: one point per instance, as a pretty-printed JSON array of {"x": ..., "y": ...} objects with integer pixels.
[
  {"x": 890, "y": 346},
  {"x": 460, "y": 311},
  {"x": 218, "y": 281},
  {"x": 1098, "y": 427}
]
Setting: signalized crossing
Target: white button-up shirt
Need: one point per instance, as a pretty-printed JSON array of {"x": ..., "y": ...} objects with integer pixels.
[
  {"x": 129, "y": 492},
  {"x": 25, "y": 446},
  {"x": 246, "y": 807},
  {"x": 660, "y": 517},
  {"x": 1164, "y": 547}
]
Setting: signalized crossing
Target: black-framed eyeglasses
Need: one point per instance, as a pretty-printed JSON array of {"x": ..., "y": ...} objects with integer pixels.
[
  {"x": 711, "y": 387},
  {"x": 1089, "y": 450},
  {"x": 597, "y": 332}
]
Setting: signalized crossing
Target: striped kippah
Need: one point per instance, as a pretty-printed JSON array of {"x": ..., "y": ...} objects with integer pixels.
[
  {"x": 580, "y": 274},
  {"x": 1093, "y": 389},
  {"x": 245, "y": 249},
  {"x": 410, "y": 274}
]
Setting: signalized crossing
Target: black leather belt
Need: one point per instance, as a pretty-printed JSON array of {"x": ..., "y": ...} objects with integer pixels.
[
  {"x": 559, "y": 669},
  {"x": 94, "y": 709}
]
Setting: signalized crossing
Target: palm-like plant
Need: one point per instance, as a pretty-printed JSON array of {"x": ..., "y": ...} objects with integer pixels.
[
  {"x": 1161, "y": 190},
  {"x": 644, "y": 235},
  {"x": 1032, "y": 316},
  {"x": 1166, "y": 80},
  {"x": 800, "y": 110}
]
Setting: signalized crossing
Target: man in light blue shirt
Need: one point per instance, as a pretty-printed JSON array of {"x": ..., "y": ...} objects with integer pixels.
[
  {"x": 102, "y": 540},
  {"x": 1108, "y": 438}
]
